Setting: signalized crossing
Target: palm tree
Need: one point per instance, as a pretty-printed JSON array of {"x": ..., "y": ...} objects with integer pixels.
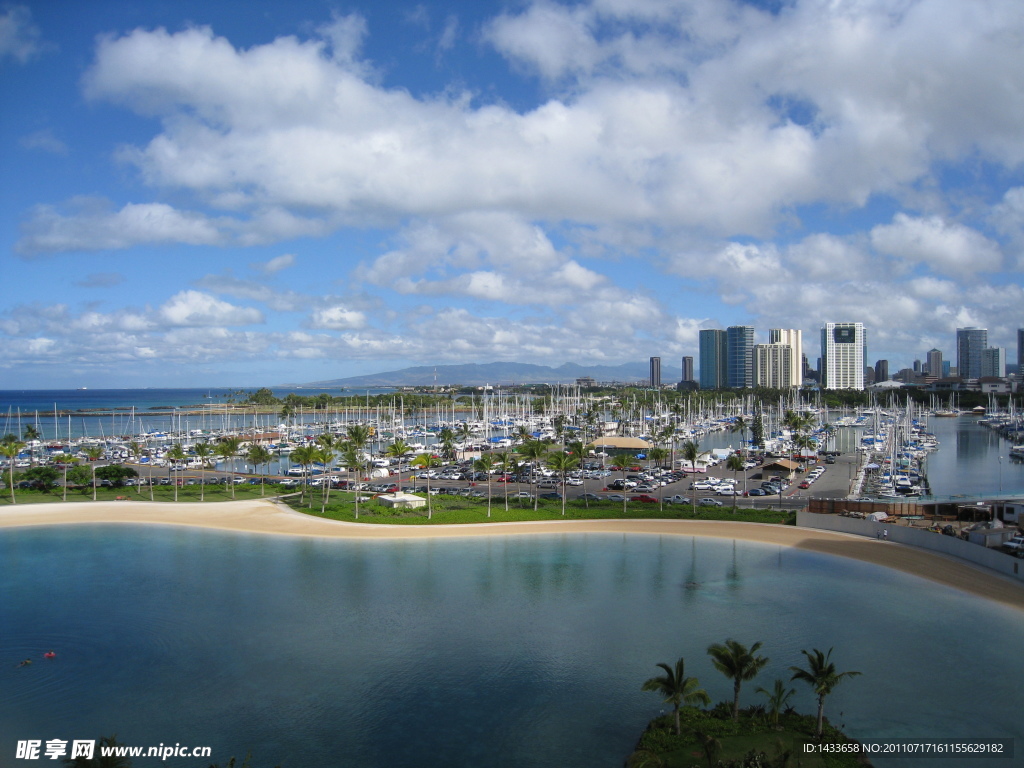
[
  {"x": 94, "y": 453},
  {"x": 734, "y": 661},
  {"x": 326, "y": 457},
  {"x": 358, "y": 435},
  {"x": 203, "y": 451},
  {"x": 509, "y": 466},
  {"x": 533, "y": 450},
  {"x": 398, "y": 450},
  {"x": 657, "y": 456},
  {"x": 304, "y": 456},
  {"x": 677, "y": 688},
  {"x": 624, "y": 461},
  {"x": 778, "y": 698},
  {"x": 735, "y": 465},
  {"x": 821, "y": 675},
  {"x": 427, "y": 460},
  {"x": 66, "y": 461},
  {"x": 10, "y": 448},
  {"x": 352, "y": 459},
  {"x": 176, "y": 454},
  {"x": 561, "y": 462},
  {"x": 31, "y": 434},
  {"x": 257, "y": 455},
  {"x": 226, "y": 449},
  {"x": 691, "y": 452},
  {"x": 446, "y": 438},
  {"x": 464, "y": 432},
  {"x": 741, "y": 425},
  {"x": 484, "y": 464}
]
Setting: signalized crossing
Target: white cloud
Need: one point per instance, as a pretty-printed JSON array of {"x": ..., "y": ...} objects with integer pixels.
[
  {"x": 19, "y": 36},
  {"x": 338, "y": 318},
  {"x": 45, "y": 141},
  {"x": 948, "y": 248},
  {"x": 93, "y": 226},
  {"x": 275, "y": 264},
  {"x": 197, "y": 309}
]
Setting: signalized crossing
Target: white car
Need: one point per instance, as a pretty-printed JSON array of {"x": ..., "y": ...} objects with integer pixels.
[
  {"x": 709, "y": 502},
  {"x": 726, "y": 490}
]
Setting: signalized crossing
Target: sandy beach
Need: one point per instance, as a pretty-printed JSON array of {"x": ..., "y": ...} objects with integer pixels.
[{"x": 267, "y": 517}]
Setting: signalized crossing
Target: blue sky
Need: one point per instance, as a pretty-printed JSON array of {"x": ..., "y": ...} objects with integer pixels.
[{"x": 208, "y": 194}]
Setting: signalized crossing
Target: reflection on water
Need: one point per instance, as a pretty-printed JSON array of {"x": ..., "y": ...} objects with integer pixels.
[{"x": 443, "y": 653}]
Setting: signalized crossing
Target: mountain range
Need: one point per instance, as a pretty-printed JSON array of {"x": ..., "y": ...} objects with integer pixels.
[{"x": 477, "y": 374}]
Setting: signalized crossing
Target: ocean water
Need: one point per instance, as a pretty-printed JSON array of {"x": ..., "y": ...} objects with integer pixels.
[{"x": 525, "y": 651}]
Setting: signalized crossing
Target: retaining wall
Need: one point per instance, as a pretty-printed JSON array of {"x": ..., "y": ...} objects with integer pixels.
[{"x": 936, "y": 542}]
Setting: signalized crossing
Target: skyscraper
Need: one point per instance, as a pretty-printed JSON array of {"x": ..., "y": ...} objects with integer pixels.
[
  {"x": 882, "y": 370},
  {"x": 741, "y": 355},
  {"x": 656, "y": 372},
  {"x": 934, "y": 363},
  {"x": 969, "y": 343},
  {"x": 842, "y": 355},
  {"x": 774, "y": 366},
  {"x": 794, "y": 339},
  {"x": 993, "y": 362},
  {"x": 713, "y": 368},
  {"x": 1020, "y": 351},
  {"x": 687, "y": 368}
]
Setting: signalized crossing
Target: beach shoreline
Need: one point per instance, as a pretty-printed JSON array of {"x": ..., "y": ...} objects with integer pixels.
[{"x": 268, "y": 517}]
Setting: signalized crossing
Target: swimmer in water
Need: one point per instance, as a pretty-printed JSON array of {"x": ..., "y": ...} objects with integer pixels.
[{"x": 25, "y": 663}]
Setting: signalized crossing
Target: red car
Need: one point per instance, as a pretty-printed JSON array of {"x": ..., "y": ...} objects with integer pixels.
[
  {"x": 644, "y": 498},
  {"x": 804, "y": 484}
]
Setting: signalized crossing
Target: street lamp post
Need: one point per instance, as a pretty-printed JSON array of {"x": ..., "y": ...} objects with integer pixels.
[{"x": 1000, "y": 460}]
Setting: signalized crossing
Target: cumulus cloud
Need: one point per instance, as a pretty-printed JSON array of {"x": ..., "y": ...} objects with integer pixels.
[
  {"x": 337, "y": 318},
  {"x": 92, "y": 226},
  {"x": 197, "y": 309},
  {"x": 948, "y": 248}
]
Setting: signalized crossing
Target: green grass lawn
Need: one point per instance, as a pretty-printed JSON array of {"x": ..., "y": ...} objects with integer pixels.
[{"x": 449, "y": 510}]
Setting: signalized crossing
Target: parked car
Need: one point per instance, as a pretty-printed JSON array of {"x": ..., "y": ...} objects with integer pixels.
[
  {"x": 588, "y": 497},
  {"x": 726, "y": 490},
  {"x": 615, "y": 497},
  {"x": 709, "y": 502},
  {"x": 551, "y": 496},
  {"x": 678, "y": 499},
  {"x": 643, "y": 497},
  {"x": 757, "y": 492},
  {"x": 805, "y": 484}
]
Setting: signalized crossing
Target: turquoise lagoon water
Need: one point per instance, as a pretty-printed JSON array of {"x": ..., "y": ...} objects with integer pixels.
[{"x": 504, "y": 651}]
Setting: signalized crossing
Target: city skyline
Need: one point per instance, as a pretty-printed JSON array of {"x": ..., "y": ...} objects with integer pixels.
[{"x": 217, "y": 194}]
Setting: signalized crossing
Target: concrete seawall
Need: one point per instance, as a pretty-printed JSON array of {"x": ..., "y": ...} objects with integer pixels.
[{"x": 914, "y": 537}]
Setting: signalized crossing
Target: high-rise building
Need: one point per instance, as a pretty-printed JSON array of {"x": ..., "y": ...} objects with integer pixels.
[
  {"x": 843, "y": 350},
  {"x": 917, "y": 366},
  {"x": 933, "y": 363},
  {"x": 947, "y": 368},
  {"x": 882, "y": 370},
  {"x": 993, "y": 362},
  {"x": 774, "y": 366},
  {"x": 713, "y": 359},
  {"x": 969, "y": 343},
  {"x": 795, "y": 340},
  {"x": 656, "y": 372},
  {"x": 1020, "y": 351},
  {"x": 687, "y": 368},
  {"x": 740, "y": 341}
]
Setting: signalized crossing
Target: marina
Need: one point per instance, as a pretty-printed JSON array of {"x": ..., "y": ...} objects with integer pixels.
[{"x": 911, "y": 452}]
